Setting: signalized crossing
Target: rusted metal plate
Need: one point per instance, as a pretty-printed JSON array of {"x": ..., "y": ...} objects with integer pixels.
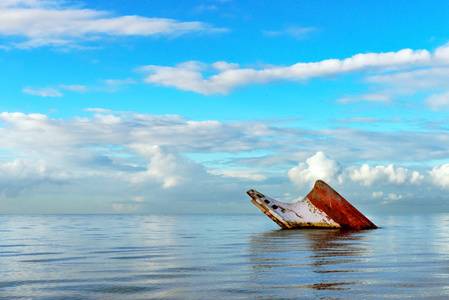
[
  {"x": 334, "y": 205},
  {"x": 322, "y": 208}
]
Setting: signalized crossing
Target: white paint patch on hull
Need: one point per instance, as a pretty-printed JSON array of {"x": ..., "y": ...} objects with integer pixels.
[{"x": 291, "y": 215}]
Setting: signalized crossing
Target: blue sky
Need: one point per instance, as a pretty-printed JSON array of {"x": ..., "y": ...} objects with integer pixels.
[{"x": 182, "y": 106}]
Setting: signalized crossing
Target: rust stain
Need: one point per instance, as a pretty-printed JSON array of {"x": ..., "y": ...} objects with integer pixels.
[
  {"x": 299, "y": 216},
  {"x": 338, "y": 208}
]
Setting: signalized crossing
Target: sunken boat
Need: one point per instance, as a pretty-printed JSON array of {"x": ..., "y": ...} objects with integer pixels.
[{"x": 323, "y": 207}]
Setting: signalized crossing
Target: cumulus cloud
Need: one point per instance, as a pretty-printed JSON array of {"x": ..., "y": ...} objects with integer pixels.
[
  {"x": 416, "y": 178},
  {"x": 440, "y": 175},
  {"x": 169, "y": 168},
  {"x": 319, "y": 166},
  {"x": 185, "y": 78},
  {"x": 367, "y": 175},
  {"x": 45, "y": 23}
]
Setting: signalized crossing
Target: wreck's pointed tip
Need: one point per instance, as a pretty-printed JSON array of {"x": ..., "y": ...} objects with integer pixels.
[
  {"x": 320, "y": 182},
  {"x": 251, "y": 192},
  {"x": 324, "y": 197}
]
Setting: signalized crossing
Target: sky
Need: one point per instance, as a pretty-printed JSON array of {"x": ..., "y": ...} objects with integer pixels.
[{"x": 173, "y": 106}]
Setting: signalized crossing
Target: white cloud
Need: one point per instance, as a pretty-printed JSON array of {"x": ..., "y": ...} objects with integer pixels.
[
  {"x": 316, "y": 167},
  {"x": 422, "y": 78},
  {"x": 442, "y": 55},
  {"x": 188, "y": 79},
  {"x": 416, "y": 178},
  {"x": 46, "y": 23},
  {"x": 440, "y": 175},
  {"x": 431, "y": 78},
  {"x": 26, "y": 174},
  {"x": 320, "y": 166},
  {"x": 108, "y": 119},
  {"x": 106, "y": 146},
  {"x": 169, "y": 168},
  {"x": 368, "y": 175},
  {"x": 21, "y": 168},
  {"x": 44, "y": 92},
  {"x": 438, "y": 101}
]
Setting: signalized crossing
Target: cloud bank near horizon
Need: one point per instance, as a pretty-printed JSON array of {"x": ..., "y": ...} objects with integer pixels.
[{"x": 146, "y": 157}]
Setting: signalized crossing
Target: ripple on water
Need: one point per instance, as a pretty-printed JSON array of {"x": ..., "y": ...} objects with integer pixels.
[{"x": 233, "y": 257}]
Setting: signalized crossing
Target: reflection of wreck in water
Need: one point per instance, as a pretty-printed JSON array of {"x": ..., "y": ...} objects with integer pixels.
[
  {"x": 323, "y": 207},
  {"x": 313, "y": 259},
  {"x": 320, "y": 247}
]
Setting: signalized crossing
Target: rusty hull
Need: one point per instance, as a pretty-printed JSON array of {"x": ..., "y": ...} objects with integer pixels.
[{"x": 323, "y": 207}]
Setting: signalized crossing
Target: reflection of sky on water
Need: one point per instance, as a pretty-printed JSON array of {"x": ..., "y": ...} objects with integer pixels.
[{"x": 220, "y": 256}]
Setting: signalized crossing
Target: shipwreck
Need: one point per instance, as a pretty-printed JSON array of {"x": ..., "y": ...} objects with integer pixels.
[{"x": 323, "y": 207}]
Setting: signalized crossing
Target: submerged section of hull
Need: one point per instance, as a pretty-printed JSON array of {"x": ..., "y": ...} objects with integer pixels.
[{"x": 323, "y": 207}]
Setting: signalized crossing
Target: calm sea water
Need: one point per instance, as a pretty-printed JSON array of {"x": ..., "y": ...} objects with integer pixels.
[{"x": 220, "y": 256}]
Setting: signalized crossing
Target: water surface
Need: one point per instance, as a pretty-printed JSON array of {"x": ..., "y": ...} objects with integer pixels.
[{"x": 220, "y": 256}]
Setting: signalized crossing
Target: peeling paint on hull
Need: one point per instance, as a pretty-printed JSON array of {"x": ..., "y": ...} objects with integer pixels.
[{"x": 323, "y": 207}]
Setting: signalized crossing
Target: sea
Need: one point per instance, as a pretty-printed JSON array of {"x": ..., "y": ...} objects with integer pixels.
[{"x": 220, "y": 256}]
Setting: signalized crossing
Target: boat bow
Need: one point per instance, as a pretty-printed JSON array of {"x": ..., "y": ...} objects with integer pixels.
[{"x": 323, "y": 207}]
